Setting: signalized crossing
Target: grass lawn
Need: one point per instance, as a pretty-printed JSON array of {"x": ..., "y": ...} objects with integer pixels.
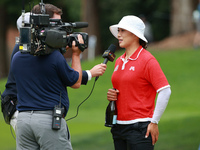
[{"x": 179, "y": 126}]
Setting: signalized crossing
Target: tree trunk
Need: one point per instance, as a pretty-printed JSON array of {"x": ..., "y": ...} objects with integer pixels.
[
  {"x": 89, "y": 13},
  {"x": 3, "y": 50},
  {"x": 181, "y": 16}
]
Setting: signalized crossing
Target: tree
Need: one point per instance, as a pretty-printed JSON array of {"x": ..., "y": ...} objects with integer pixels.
[
  {"x": 3, "y": 54},
  {"x": 181, "y": 16},
  {"x": 90, "y": 14}
]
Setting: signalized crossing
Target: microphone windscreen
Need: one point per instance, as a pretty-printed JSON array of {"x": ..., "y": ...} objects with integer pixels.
[
  {"x": 112, "y": 48},
  {"x": 80, "y": 24}
]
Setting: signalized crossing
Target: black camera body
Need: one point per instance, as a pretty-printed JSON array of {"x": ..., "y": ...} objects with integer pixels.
[{"x": 44, "y": 35}]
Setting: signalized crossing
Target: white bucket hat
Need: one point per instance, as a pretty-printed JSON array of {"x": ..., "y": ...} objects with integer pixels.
[
  {"x": 26, "y": 20},
  {"x": 132, "y": 24}
]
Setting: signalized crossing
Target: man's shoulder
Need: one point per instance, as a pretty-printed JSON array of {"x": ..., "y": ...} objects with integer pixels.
[{"x": 56, "y": 53}]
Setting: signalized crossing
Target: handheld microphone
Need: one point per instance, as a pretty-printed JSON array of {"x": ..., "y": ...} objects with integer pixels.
[{"x": 108, "y": 55}]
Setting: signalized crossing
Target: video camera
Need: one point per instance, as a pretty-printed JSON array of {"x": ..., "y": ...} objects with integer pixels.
[{"x": 43, "y": 35}]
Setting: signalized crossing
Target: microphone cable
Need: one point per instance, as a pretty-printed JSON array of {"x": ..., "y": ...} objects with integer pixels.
[
  {"x": 12, "y": 133},
  {"x": 83, "y": 101},
  {"x": 109, "y": 56}
]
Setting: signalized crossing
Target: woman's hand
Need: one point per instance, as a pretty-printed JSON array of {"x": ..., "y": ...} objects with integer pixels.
[
  {"x": 112, "y": 94},
  {"x": 153, "y": 129}
]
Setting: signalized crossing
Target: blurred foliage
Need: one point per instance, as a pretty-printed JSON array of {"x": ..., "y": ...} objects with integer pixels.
[
  {"x": 156, "y": 12},
  {"x": 71, "y": 8},
  {"x": 110, "y": 12}
]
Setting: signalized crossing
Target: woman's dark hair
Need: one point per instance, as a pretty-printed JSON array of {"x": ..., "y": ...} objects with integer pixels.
[
  {"x": 143, "y": 43},
  {"x": 49, "y": 9}
]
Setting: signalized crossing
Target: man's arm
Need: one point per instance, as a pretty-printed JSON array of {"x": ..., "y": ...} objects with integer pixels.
[
  {"x": 97, "y": 70},
  {"x": 76, "y": 61},
  {"x": 84, "y": 77}
]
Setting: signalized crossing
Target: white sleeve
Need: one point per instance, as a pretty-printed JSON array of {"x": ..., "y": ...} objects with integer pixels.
[
  {"x": 89, "y": 75},
  {"x": 161, "y": 104}
]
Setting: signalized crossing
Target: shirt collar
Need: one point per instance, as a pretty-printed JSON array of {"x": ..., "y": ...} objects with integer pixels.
[{"x": 135, "y": 55}]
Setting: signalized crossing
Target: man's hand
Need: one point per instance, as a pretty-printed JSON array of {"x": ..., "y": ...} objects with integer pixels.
[
  {"x": 76, "y": 62},
  {"x": 153, "y": 129},
  {"x": 98, "y": 70},
  {"x": 75, "y": 49}
]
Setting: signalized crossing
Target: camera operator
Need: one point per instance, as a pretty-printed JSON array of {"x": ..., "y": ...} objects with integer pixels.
[
  {"x": 31, "y": 87},
  {"x": 41, "y": 83},
  {"x": 10, "y": 92}
]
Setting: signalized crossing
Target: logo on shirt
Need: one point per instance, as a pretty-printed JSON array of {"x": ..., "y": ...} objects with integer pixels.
[
  {"x": 132, "y": 68},
  {"x": 116, "y": 68}
]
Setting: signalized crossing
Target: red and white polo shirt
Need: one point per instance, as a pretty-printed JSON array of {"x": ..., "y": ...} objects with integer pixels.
[{"x": 137, "y": 79}]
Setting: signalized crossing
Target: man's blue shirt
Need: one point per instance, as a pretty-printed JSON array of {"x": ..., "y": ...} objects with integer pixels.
[
  {"x": 41, "y": 80},
  {"x": 10, "y": 85}
]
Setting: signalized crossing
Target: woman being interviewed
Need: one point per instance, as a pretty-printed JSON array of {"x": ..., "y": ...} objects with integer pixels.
[{"x": 137, "y": 78}]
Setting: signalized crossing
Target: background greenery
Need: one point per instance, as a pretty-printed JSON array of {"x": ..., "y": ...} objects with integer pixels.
[
  {"x": 109, "y": 12},
  {"x": 179, "y": 125},
  {"x": 157, "y": 13}
]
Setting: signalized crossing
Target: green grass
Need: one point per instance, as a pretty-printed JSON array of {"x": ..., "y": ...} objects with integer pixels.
[{"x": 179, "y": 126}]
